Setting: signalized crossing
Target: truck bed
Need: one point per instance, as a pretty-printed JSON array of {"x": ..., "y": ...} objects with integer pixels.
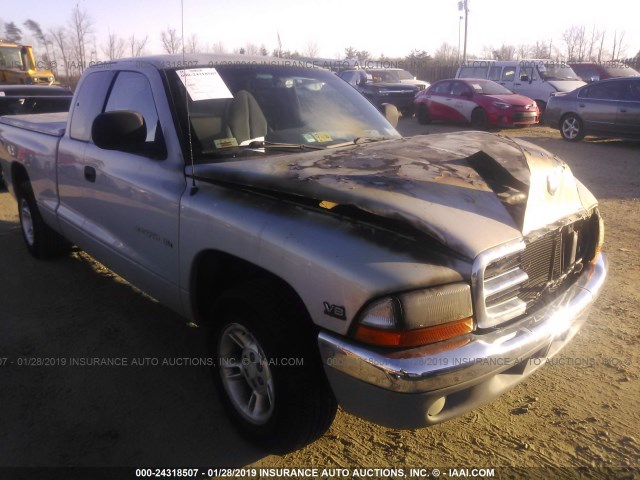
[{"x": 53, "y": 124}]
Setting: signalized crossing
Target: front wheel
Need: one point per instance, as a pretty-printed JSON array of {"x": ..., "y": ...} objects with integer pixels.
[
  {"x": 268, "y": 368},
  {"x": 571, "y": 128},
  {"x": 40, "y": 239},
  {"x": 479, "y": 119},
  {"x": 423, "y": 115}
]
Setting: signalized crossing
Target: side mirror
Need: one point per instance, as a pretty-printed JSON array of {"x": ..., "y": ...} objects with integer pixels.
[
  {"x": 391, "y": 114},
  {"x": 120, "y": 130}
]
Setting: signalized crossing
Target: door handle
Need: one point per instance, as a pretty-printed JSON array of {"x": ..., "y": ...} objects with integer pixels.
[
  {"x": 90, "y": 174},
  {"x": 581, "y": 105},
  {"x": 517, "y": 84},
  {"x": 623, "y": 110}
]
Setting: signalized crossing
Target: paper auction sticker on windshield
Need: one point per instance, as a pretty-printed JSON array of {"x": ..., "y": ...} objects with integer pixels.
[{"x": 204, "y": 84}]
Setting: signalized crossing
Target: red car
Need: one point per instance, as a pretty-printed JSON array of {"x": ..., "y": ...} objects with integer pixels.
[{"x": 481, "y": 103}]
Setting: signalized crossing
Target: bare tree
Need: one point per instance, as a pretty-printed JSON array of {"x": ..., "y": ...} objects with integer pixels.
[
  {"x": 218, "y": 47},
  {"x": 523, "y": 51},
  {"x": 311, "y": 50},
  {"x": 12, "y": 32},
  {"x": 114, "y": 48},
  {"x": 505, "y": 52},
  {"x": 81, "y": 27},
  {"x": 137, "y": 46},
  {"x": 446, "y": 53},
  {"x": 574, "y": 40},
  {"x": 540, "y": 50},
  {"x": 170, "y": 41},
  {"x": 263, "y": 50},
  {"x": 192, "y": 44},
  {"x": 61, "y": 41},
  {"x": 251, "y": 49},
  {"x": 618, "y": 39}
]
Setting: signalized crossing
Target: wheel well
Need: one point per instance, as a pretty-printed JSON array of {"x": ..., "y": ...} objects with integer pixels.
[
  {"x": 215, "y": 272},
  {"x": 19, "y": 175}
]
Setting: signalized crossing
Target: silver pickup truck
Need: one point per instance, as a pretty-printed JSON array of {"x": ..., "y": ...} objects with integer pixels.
[{"x": 333, "y": 261}]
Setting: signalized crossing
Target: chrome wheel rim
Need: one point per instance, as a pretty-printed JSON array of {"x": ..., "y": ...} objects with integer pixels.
[
  {"x": 26, "y": 220},
  {"x": 570, "y": 127},
  {"x": 246, "y": 375}
]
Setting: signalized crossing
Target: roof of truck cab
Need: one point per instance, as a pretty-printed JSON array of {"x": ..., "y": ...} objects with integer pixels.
[{"x": 205, "y": 60}]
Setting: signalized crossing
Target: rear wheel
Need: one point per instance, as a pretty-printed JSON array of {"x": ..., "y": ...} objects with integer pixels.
[
  {"x": 268, "y": 368},
  {"x": 41, "y": 240},
  {"x": 479, "y": 119},
  {"x": 423, "y": 115},
  {"x": 571, "y": 128}
]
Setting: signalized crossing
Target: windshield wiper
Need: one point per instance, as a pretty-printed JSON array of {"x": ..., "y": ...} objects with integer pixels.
[
  {"x": 285, "y": 146},
  {"x": 359, "y": 140}
]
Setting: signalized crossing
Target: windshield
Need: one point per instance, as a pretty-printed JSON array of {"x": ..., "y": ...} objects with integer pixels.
[
  {"x": 384, "y": 76},
  {"x": 489, "y": 88},
  {"x": 404, "y": 75},
  {"x": 557, "y": 72},
  {"x": 621, "y": 71},
  {"x": 265, "y": 107},
  {"x": 10, "y": 57}
]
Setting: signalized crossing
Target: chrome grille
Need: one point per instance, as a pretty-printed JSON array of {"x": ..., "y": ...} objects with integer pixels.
[{"x": 513, "y": 279}]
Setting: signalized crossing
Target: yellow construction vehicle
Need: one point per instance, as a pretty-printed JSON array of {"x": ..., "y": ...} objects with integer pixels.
[{"x": 18, "y": 66}]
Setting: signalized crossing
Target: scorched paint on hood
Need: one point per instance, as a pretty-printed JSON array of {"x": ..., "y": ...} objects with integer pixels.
[{"x": 469, "y": 190}]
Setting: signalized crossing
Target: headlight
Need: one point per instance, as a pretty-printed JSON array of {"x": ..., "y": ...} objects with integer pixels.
[
  {"x": 418, "y": 317},
  {"x": 502, "y": 105}
]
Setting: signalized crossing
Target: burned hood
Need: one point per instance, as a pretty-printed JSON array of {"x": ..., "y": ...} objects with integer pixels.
[{"x": 469, "y": 190}]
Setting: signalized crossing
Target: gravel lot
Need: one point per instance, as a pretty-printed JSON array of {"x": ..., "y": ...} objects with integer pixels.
[{"x": 582, "y": 412}]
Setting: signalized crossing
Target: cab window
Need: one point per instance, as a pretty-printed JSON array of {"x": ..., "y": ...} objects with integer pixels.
[
  {"x": 89, "y": 102},
  {"x": 508, "y": 74},
  {"x": 495, "y": 73}
]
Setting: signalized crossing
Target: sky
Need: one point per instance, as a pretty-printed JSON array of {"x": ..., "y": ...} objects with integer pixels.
[{"x": 380, "y": 27}]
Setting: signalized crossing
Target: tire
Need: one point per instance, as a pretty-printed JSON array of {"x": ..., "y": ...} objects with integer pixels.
[
  {"x": 479, "y": 119},
  {"x": 423, "y": 115},
  {"x": 571, "y": 128},
  {"x": 279, "y": 407},
  {"x": 407, "y": 112},
  {"x": 41, "y": 240},
  {"x": 542, "y": 106}
]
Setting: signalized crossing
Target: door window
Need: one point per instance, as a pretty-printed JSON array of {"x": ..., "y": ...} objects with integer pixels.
[
  {"x": 603, "y": 91},
  {"x": 632, "y": 91},
  {"x": 442, "y": 88},
  {"x": 131, "y": 91}
]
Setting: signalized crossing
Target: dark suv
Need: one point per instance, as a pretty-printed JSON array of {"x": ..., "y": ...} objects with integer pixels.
[{"x": 398, "y": 94}]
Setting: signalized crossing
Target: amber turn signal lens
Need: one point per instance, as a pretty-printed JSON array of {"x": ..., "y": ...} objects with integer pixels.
[{"x": 416, "y": 337}]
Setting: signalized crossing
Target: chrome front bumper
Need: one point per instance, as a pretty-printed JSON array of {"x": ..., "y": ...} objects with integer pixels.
[{"x": 430, "y": 384}]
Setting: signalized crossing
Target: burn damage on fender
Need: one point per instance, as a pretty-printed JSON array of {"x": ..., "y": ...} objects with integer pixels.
[{"x": 466, "y": 190}]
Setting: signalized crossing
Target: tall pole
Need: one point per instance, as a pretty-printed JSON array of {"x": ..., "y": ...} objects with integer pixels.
[
  {"x": 459, "y": 41},
  {"x": 466, "y": 17}
]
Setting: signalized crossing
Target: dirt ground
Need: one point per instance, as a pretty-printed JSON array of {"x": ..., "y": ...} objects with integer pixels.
[{"x": 582, "y": 412}]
